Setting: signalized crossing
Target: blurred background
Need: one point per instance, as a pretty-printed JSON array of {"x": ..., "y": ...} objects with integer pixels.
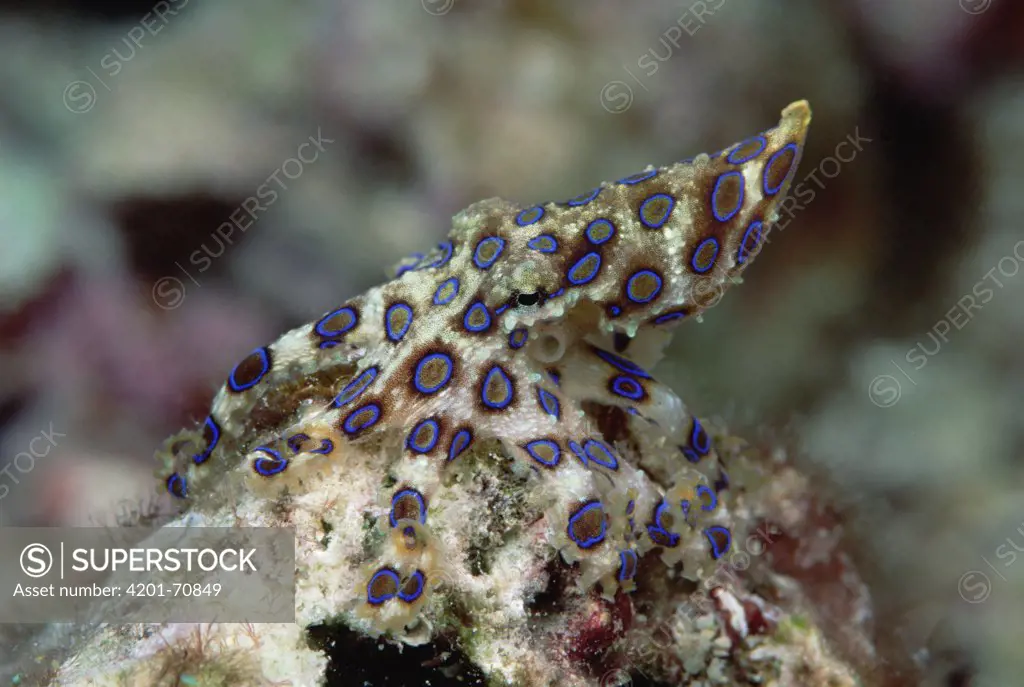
[{"x": 181, "y": 181}]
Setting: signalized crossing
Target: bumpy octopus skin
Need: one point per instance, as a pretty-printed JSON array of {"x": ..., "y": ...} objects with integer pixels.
[{"x": 528, "y": 327}]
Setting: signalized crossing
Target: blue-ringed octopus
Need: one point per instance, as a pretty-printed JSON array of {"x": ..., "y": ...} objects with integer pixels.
[{"x": 530, "y": 329}]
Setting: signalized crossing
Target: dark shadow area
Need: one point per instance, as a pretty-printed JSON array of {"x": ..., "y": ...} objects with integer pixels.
[{"x": 357, "y": 661}]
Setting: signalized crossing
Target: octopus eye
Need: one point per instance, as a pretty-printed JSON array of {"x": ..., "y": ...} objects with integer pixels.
[{"x": 525, "y": 300}]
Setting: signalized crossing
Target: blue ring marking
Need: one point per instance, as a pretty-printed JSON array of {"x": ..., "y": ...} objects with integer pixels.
[
  {"x": 768, "y": 166},
  {"x": 583, "y": 198},
  {"x": 669, "y": 316},
  {"x": 416, "y": 258},
  {"x": 460, "y": 442},
  {"x": 264, "y": 355},
  {"x": 332, "y": 333},
  {"x": 555, "y": 377},
  {"x": 761, "y": 140},
  {"x": 690, "y": 454},
  {"x": 605, "y": 457},
  {"x": 580, "y": 453},
  {"x": 355, "y": 388},
  {"x": 687, "y": 161},
  {"x": 469, "y": 311},
  {"x": 326, "y": 447},
  {"x": 525, "y": 218},
  {"x": 743, "y": 254},
  {"x": 378, "y": 600},
  {"x": 599, "y": 223},
  {"x": 638, "y": 177},
  {"x": 396, "y": 335},
  {"x": 438, "y": 299},
  {"x": 419, "y": 500},
  {"x": 703, "y": 447},
  {"x": 656, "y": 528},
  {"x": 410, "y": 597},
  {"x": 211, "y": 444},
  {"x": 556, "y": 294},
  {"x": 295, "y": 445},
  {"x": 497, "y": 372},
  {"x": 549, "y": 403},
  {"x": 627, "y": 561},
  {"x": 419, "y": 368},
  {"x": 659, "y": 223},
  {"x": 739, "y": 200},
  {"x": 614, "y": 310},
  {"x": 268, "y": 467},
  {"x": 517, "y": 339},
  {"x": 484, "y": 264},
  {"x": 704, "y": 489},
  {"x": 410, "y": 441},
  {"x": 500, "y": 310},
  {"x": 697, "y": 251},
  {"x": 579, "y": 513},
  {"x": 531, "y": 448},
  {"x": 328, "y": 344},
  {"x": 353, "y": 429},
  {"x": 545, "y": 243},
  {"x": 177, "y": 485},
  {"x": 578, "y": 280},
  {"x": 621, "y": 363},
  {"x": 447, "y": 248},
  {"x": 637, "y": 275},
  {"x": 630, "y": 507},
  {"x": 295, "y": 442},
  {"x": 718, "y": 529},
  {"x": 627, "y": 387}
]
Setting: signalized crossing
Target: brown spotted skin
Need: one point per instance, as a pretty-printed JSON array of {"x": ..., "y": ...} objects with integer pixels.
[{"x": 616, "y": 268}]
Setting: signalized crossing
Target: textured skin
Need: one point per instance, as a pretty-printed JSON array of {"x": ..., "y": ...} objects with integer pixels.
[{"x": 522, "y": 354}]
